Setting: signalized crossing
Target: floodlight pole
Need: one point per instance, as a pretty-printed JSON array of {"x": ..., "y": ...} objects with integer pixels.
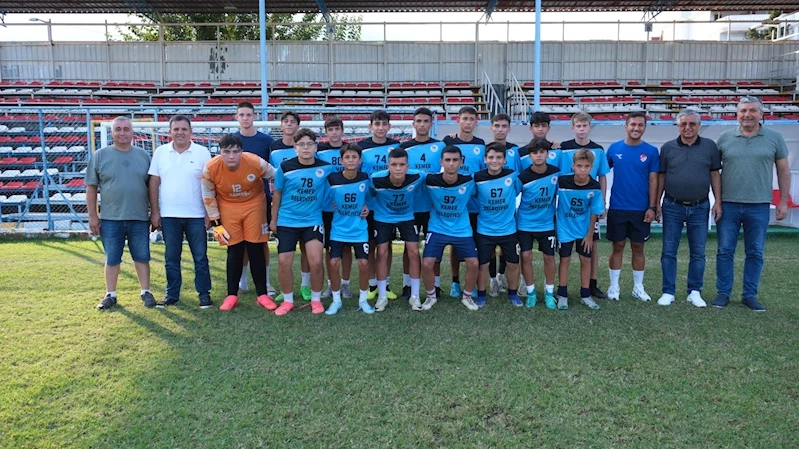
[
  {"x": 264, "y": 74},
  {"x": 537, "y": 63}
]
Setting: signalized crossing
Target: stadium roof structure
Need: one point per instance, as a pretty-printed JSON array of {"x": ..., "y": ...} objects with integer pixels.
[{"x": 354, "y": 6}]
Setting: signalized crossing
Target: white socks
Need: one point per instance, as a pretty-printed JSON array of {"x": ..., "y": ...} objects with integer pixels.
[
  {"x": 614, "y": 277},
  {"x": 306, "y": 279},
  {"x": 288, "y": 297},
  {"x": 638, "y": 277},
  {"x": 414, "y": 287},
  {"x": 381, "y": 288}
]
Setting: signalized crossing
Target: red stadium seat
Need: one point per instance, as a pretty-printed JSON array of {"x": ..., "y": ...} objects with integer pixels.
[
  {"x": 666, "y": 117},
  {"x": 8, "y": 161},
  {"x": 776, "y": 200},
  {"x": 13, "y": 185}
]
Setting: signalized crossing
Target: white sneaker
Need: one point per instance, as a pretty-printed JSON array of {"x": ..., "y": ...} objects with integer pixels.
[
  {"x": 345, "y": 291},
  {"x": 613, "y": 292},
  {"x": 666, "y": 300},
  {"x": 381, "y": 304},
  {"x": 429, "y": 303},
  {"x": 243, "y": 284},
  {"x": 415, "y": 303},
  {"x": 327, "y": 293},
  {"x": 493, "y": 289},
  {"x": 469, "y": 303},
  {"x": 640, "y": 294},
  {"x": 695, "y": 298},
  {"x": 503, "y": 283}
]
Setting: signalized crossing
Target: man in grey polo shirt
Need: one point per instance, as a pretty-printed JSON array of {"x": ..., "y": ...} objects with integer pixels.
[
  {"x": 689, "y": 168},
  {"x": 748, "y": 156},
  {"x": 119, "y": 172}
]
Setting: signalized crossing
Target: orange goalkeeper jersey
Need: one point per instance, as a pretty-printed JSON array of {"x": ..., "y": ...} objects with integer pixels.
[{"x": 222, "y": 187}]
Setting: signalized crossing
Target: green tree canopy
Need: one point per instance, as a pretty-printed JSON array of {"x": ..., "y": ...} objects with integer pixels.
[{"x": 764, "y": 35}]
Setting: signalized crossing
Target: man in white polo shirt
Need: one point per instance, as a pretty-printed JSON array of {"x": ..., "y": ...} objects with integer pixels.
[{"x": 177, "y": 208}]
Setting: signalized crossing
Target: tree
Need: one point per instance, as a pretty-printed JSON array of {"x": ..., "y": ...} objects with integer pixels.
[
  {"x": 764, "y": 35},
  {"x": 244, "y": 27}
]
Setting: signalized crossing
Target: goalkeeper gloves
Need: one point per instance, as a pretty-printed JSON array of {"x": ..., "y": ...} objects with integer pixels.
[{"x": 220, "y": 233}]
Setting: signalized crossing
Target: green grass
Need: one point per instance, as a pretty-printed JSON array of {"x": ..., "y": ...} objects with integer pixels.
[{"x": 630, "y": 375}]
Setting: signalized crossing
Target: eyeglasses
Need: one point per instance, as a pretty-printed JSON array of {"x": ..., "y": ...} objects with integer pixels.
[{"x": 304, "y": 144}]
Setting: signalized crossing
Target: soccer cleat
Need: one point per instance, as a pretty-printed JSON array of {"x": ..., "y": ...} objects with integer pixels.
[
  {"x": 429, "y": 303},
  {"x": 503, "y": 283},
  {"x": 614, "y": 293},
  {"x": 469, "y": 303},
  {"x": 167, "y": 302},
  {"x": 148, "y": 299},
  {"x": 229, "y": 303},
  {"x": 364, "y": 307},
  {"x": 266, "y": 302},
  {"x": 270, "y": 291},
  {"x": 381, "y": 304},
  {"x": 284, "y": 308},
  {"x": 317, "y": 307},
  {"x": 390, "y": 295},
  {"x": 305, "y": 292},
  {"x": 563, "y": 303},
  {"x": 590, "y": 303},
  {"x": 107, "y": 302},
  {"x": 514, "y": 299},
  {"x": 415, "y": 302},
  {"x": 666, "y": 299},
  {"x": 406, "y": 293},
  {"x": 721, "y": 301},
  {"x": 327, "y": 293},
  {"x": 532, "y": 299},
  {"x": 753, "y": 304},
  {"x": 549, "y": 300},
  {"x": 597, "y": 293},
  {"x": 480, "y": 301},
  {"x": 372, "y": 293},
  {"x": 333, "y": 308},
  {"x": 345, "y": 291},
  {"x": 455, "y": 290},
  {"x": 695, "y": 298},
  {"x": 640, "y": 294},
  {"x": 279, "y": 297},
  {"x": 206, "y": 303},
  {"x": 493, "y": 288}
]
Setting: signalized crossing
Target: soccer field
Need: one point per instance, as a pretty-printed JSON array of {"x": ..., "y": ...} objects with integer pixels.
[{"x": 630, "y": 375}]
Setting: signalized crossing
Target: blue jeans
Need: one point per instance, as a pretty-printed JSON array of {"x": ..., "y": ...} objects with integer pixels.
[
  {"x": 754, "y": 218},
  {"x": 194, "y": 229},
  {"x": 696, "y": 218},
  {"x": 114, "y": 233}
]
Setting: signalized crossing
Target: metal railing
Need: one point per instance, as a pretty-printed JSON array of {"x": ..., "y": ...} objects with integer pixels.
[
  {"x": 518, "y": 104},
  {"x": 493, "y": 102}
]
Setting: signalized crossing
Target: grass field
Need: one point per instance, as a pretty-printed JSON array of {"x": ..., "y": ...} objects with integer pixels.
[{"x": 630, "y": 375}]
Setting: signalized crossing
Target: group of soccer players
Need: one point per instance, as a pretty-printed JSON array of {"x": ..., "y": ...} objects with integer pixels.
[{"x": 338, "y": 198}]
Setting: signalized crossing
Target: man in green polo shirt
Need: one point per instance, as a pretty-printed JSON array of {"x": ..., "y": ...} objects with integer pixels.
[{"x": 748, "y": 155}]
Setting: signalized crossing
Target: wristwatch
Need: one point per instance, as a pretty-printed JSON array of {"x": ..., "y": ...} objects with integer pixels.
[{"x": 653, "y": 208}]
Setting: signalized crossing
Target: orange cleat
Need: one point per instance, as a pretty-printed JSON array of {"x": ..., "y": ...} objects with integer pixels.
[
  {"x": 229, "y": 303},
  {"x": 317, "y": 307},
  {"x": 266, "y": 302},
  {"x": 284, "y": 308}
]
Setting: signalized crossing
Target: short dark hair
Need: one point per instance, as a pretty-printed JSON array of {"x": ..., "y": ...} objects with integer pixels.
[
  {"x": 398, "y": 153},
  {"x": 423, "y": 111},
  {"x": 304, "y": 132},
  {"x": 496, "y": 146},
  {"x": 350, "y": 147},
  {"x": 179, "y": 118},
  {"x": 467, "y": 110},
  {"x": 230, "y": 140},
  {"x": 538, "y": 118},
  {"x": 539, "y": 144},
  {"x": 636, "y": 114},
  {"x": 290, "y": 114},
  {"x": 245, "y": 104},
  {"x": 379, "y": 115},
  {"x": 451, "y": 149},
  {"x": 501, "y": 116},
  {"x": 333, "y": 121}
]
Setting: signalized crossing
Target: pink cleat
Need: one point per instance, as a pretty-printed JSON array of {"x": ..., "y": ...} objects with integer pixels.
[
  {"x": 266, "y": 302},
  {"x": 229, "y": 303},
  {"x": 284, "y": 308},
  {"x": 317, "y": 307}
]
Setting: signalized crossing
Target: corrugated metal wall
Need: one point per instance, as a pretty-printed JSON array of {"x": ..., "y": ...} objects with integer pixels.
[{"x": 392, "y": 61}]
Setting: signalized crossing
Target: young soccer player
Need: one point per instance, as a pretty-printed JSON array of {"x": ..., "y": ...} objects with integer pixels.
[
  {"x": 581, "y": 125},
  {"x": 297, "y": 216},
  {"x": 349, "y": 189},
  {"x": 258, "y": 143},
  {"x": 496, "y": 190},
  {"x": 423, "y": 156},
  {"x": 394, "y": 191},
  {"x": 579, "y": 204},
  {"x": 234, "y": 201},
  {"x": 535, "y": 219},
  {"x": 375, "y": 158},
  {"x": 449, "y": 194},
  {"x": 539, "y": 128},
  {"x": 473, "y": 150}
]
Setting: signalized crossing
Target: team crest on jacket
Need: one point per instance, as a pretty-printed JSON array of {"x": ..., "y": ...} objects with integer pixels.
[
  {"x": 643, "y": 158},
  {"x": 434, "y": 148},
  {"x": 251, "y": 177},
  {"x": 462, "y": 190},
  {"x": 552, "y": 155},
  {"x": 362, "y": 187},
  {"x": 590, "y": 194},
  {"x": 319, "y": 172},
  {"x": 554, "y": 180},
  {"x": 410, "y": 188},
  {"x": 476, "y": 150},
  {"x": 511, "y": 153},
  {"x": 508, "y": 182}
]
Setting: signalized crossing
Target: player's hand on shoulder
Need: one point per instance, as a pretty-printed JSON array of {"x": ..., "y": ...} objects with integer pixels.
[{"x": 364, "y": 211}]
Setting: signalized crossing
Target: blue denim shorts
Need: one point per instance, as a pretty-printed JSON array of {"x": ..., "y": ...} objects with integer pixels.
[{"x": 114, "y": 233}]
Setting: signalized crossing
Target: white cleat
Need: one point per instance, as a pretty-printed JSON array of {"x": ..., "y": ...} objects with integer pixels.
[
  {"x": 429, "y": 302},
  {"x": 666, "y": 300},
  {"x": 695, "y": 298},
  {"x": 503, "y": 283},
  {"x": 415, "y": 303},
  {"x": 640, "y": 294},
  {"x": 494, "y": 288},
  {"x": 614, "y": 293},
  {"x": 381, "y": 304},
  {"x": 469, "y": 303}
]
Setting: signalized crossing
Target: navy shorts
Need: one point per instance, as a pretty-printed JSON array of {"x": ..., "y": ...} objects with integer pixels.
[
  {"x": 288, "y": 237},
  {"x": 336, "y": 249},
  {"x": 385, "y": 232},
  {"x": 327, "y": 221},
  {"x": 597, "y": 235},
  {"x": 370, "y": 224},
  {"x": 627, "y": 224},
  {"x": 547, "y": 242},
  {"x": 434, "y": 245},
  {"x": 421, "y": 219},
  {"x": 565, "y": 249},
  {"x": 114, "y": 233},
  {"x": 487, "y": 243}
]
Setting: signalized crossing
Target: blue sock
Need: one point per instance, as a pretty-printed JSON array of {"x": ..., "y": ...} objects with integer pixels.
[
  {"x": 585, "y": 292},
  {"x": 563, "y": 291}
]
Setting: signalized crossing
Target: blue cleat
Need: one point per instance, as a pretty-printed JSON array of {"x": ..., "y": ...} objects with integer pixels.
[
  {"x": 364, "y": 307},
  {"x": 455, "y": 290},
  {"x": 480, "y": 301},
  {"x": 333, "y": 308},
  {"x": 515, "y": 300}
]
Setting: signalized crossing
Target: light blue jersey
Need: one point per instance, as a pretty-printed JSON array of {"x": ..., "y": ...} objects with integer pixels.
[
  {"x": 304, "y": 188},
  {"x": 576, "y": 204},
  {"x": 449, "y": 215},
  {"x": 391, "y": 203},
  {"x": 279, "y": 152},
  {"x": 425, "y": 158},
  {"x": 512, "y": 160},
  {"x": 553, "y": 158},
  {"x": 348, "y": 196},
  {"x": 496, "y": 197},
  {"x": 375, "y": 155},
  {"x": 568, "y": 148},
  {"x": 536, "y": 211},
  {"x": 331, "y": 155}
]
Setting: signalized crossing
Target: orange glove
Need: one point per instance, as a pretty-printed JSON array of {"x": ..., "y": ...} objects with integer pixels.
[{"x": 220, "y": 233}]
